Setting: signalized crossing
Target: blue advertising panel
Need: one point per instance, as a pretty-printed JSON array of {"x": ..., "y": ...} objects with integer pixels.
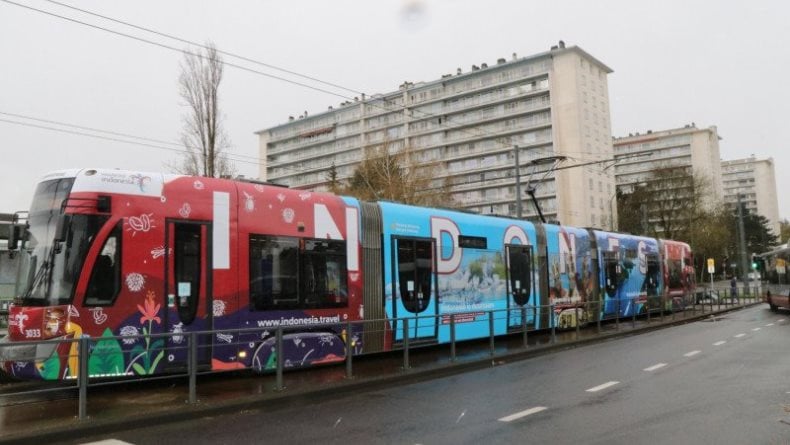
[
  {"x": 470, "y": 270},
  {"x": 630, "y": 276}
]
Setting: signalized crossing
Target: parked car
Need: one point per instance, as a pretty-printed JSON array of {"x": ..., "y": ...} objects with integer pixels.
[{"x": 776, "y": 301}]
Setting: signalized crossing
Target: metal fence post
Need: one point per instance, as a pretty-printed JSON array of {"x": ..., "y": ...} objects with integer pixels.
[
  {"x": 578, "y": 320},
  {"x": 280, "y": 359},
  {"x": 491, "y": 332},
  {"x": 617, "y": 314},
  {"x": 84, "y": 347},
  {"x": 524, "y": 325},
  {"x": 452, "y": 338},
  {"x": 192, "y": 367},
  {"x": 648, "y": 309},
  {"x": 663, "y": 306},
  {"x": 685, "y": 304},
  {"x": 406, "y": 344},
  {"x": 349, "y": 351},
  {"x": 633, "y": 313},
  {"x": 598, "y": 315},
  {"x": 552, "y": 324}
]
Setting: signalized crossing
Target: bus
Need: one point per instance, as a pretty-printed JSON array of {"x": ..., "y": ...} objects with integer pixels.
[{"x": 124, "y": 257}]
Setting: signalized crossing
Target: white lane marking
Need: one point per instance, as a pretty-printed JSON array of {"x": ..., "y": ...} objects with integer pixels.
[
  {"x": 755, "y": 329},
  {"x": 740, "y": 335},
  {"x": 604, "y": 386},
  {"x": 769, "y": 325},
  {"x": 654, "y": 367},
  {"x": 719, "y": 343},
  {"x": 107, "y": 442},
  {"x": 525, "y": 413},
  {"x": 781, "y": 320},
  {"x": 692, "y": 353}
]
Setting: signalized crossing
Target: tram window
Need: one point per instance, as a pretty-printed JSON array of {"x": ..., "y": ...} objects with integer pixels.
[
  {"x": 415, "y": 261},
  {"x": 293, "y": 273},
  {"x": 520, "y": 260},
  {"x": 675, "y": 277},
  {"x": 105, "y": 281},
  {"x": 273, "y": 266},
  {"x": 651, "y": 277},
  {"x": 611, "y": 272},
  {"x": 323, "y": 274},
  {"x": 187, "y": 270}
]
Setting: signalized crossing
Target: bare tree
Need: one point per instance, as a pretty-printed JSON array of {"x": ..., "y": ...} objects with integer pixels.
[
  {"x": 667, "y": 204},
  {"x": 385, "y": 174},
  {"x": 203, "y": 135}
]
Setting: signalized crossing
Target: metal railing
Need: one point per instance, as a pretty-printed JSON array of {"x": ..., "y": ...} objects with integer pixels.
[{"x": 567, "y": 318}]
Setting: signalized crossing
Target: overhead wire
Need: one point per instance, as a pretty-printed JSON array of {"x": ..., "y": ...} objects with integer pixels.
[
  {"x": 189, "y": 42},
  {"x": 116, "y": 139},
  {"x": 478, "y": 132}
]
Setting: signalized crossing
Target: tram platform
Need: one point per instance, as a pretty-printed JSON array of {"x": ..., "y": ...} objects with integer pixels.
[{"x": 53, "y": 417}]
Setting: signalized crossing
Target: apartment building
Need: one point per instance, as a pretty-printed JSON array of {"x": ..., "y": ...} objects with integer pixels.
[
  {"x": 755, "y": 181},
  {"x": 639, "y": 155},
  {"x": 469, "y": 126}
]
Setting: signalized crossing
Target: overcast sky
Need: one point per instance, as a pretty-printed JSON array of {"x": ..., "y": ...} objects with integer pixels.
[{"x": 722, "y": 63}]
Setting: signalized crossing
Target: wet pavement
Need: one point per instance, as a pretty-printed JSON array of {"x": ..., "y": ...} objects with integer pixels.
[{"x": 52, "y": 416}]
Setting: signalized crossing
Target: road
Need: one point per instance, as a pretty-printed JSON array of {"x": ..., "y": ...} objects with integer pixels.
[{"x": 722, "y": 381}]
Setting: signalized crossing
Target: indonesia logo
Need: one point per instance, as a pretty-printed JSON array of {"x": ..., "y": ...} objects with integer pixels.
[{"x": 141, "y": 181}]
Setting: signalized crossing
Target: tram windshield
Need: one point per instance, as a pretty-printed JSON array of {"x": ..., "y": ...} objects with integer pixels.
[{"x": 49, "y": 269}]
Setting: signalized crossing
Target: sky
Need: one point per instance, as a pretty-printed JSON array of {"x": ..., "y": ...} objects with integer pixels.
[{"x": 722, "y": 63}]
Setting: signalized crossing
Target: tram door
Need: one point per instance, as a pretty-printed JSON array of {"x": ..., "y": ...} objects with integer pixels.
[
  {"x": 611, "y": 272},
  {"x": 415, "y": 284},
  {"x": 519, "y": 271},
  {"x": 188, "y": 287}
]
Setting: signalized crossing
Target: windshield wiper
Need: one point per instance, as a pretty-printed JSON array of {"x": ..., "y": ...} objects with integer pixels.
[{"x": 46, "y": 265}]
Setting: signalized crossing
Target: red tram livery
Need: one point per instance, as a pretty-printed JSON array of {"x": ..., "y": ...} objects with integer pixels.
[{"x": 137, "y": 254}]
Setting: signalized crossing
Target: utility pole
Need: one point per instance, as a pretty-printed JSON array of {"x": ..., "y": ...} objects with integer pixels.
[
  {"x": 742, "y": 242},
  {"x": 518, "y": 184},
  {"x": 643, "y": 218}
]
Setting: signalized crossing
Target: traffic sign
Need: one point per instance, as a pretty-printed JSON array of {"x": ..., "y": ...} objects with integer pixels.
[{"x": 711, "y": 266}]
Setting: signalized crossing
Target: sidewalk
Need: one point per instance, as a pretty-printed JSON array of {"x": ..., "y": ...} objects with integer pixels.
[{"x": 131, "y": 405}]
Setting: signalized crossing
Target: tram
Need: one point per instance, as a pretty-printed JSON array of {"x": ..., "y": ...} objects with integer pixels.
[{"x": 125, "y": 256}]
